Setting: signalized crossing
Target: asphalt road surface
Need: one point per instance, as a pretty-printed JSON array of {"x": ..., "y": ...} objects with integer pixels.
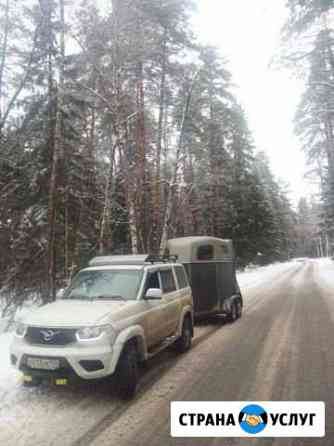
[{"x": 282, "y": 349}]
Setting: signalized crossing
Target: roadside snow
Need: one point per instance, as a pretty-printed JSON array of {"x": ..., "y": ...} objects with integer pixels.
[
  {"x": 325, "y": 273},
  {"x": 9, "y": 378},
  {"x": 251, "y": 278},
  {"x": 20, "y": 312}
]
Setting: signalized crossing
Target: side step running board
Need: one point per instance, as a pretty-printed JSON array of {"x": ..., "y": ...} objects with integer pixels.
[{"x": 162, "y": 346}]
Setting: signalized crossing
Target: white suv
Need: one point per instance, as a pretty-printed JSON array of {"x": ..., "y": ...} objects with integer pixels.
[{"x": 119, "y": 311}]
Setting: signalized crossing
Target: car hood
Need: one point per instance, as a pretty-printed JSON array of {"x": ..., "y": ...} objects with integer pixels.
[{"x": 74, "y": 313}]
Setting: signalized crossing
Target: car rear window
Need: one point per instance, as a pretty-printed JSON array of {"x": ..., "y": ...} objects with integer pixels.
[
  {"x": 181, "y": 277},
  {"x": 167, "y": 281}
]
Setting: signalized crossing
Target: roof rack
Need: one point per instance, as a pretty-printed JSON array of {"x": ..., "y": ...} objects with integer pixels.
[
  {"x": 162, "y": 259},
  {"x": 131, "y": 260}
]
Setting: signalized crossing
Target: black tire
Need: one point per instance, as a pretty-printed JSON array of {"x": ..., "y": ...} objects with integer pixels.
[
  {"x": 239, "y": 309},
  {"x": 233, "y": 316},
  {"x": 127, "y": 372},
  {"x": 183, "y": 344}
]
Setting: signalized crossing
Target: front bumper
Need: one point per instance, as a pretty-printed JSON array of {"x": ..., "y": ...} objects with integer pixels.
[
  {"x": 64, "y": 375},
  {"x": 92, "y": 361}
]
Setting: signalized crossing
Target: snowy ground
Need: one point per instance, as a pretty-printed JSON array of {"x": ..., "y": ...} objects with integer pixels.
[
  {"x": 23, "y": 409},
  {"x": 250, "y": 278},
  {"x": 326, "y": 272},
  {"x": 9, "y": 378}
]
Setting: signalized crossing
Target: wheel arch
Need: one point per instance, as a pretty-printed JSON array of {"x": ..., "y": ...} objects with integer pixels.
[
  {"x": 134, "y": 334},
  {"x": 187, "y": 312}
]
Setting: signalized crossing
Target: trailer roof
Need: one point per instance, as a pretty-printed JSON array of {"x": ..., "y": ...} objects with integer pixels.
[{"x": 186, "y": 248}]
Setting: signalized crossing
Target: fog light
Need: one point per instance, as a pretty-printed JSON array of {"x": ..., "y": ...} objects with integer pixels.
[
  {"x": 91, "y": 365},
  {"x": 27, "y": 379},
  {"x": 13, "y": 359}
]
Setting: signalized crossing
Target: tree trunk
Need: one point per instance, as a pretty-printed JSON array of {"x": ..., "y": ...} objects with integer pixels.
[
  {"x": 169, "y": 202},
  {"x": 56, "y": 96},
  {"x": 157, "y": 180},
  {"x": 141, "y": 177},
  {"x": 52, "y": 147},
  {"x": 60, "y": 135},
  {"x": 4, "y": 54},
  {"x": 106, "y": 215}
]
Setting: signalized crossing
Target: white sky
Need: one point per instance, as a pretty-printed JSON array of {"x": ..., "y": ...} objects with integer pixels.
[{"x": 248, "y": 33}]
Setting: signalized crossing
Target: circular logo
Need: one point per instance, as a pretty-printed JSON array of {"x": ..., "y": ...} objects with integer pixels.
[{"x": 253, "y": 419}]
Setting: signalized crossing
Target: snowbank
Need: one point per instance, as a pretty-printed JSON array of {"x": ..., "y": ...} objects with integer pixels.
[
  {"x": 9, "y": 377},
  {"x": 251, "y": 278},
  {"x": 7, "y": 323},
  {"x": 325, "y": 272}
]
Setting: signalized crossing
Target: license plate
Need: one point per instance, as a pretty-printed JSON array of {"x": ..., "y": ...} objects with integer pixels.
[{"x": 43, "y": 364}]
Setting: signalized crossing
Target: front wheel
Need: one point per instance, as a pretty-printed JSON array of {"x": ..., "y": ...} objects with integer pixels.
[
  {"x": 183, "y": 344},
  {"x": 127, "y": 372}
]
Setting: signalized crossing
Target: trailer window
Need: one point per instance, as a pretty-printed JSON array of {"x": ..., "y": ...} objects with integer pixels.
[
  {"x": 181, "y": 277},
  {"x": 205, "y": 252},
  {"x": 224, "y": 250},
  {"x": 167, "y": 281}
]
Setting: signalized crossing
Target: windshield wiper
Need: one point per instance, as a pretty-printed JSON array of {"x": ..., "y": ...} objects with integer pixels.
[{"x": 106, "y": 297}]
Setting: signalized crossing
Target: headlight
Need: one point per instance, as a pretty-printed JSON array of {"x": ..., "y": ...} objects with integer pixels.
[
  {"x": 20, "y": 330},
  {"x": 93, "y": 333}
]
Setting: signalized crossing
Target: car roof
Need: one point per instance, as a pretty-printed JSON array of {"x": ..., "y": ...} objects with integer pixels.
[
  {"x": 131, "y": 260},
  {"x": 144, "y": 267}
]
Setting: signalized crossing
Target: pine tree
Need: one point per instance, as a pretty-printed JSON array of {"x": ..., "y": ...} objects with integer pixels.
[{"x": 118, "y": 131}]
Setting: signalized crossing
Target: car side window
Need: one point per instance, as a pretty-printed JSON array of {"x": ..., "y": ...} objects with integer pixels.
[
  {"x": 181, "y": 277},
  {"x": 167, "y": 281},
  {"x": 152, "y": 281}
]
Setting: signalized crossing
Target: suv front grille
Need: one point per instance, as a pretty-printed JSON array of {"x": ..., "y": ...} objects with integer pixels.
[{"x": 50, "y": 336}]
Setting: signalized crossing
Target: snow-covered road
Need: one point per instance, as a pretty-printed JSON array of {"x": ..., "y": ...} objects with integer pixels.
[{"x": 60, "y": 416}]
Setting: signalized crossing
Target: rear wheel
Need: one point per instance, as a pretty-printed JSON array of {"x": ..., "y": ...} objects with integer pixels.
[
  {"x": 183, "y": 344},
  {"x": 127, "y": 372},
  {"x": 233, "y": 316},
  {"x": 239, "y": 309}
]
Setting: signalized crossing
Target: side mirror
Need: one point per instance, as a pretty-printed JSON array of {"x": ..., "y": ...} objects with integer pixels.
[{"x": 153, "y": 294}]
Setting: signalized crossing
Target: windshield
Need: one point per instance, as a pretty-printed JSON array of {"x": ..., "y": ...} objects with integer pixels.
[{"x": 105, "y": 285}]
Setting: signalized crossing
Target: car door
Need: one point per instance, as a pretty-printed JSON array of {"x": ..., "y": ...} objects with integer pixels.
[
  {"x": 154, "y": 312},
  {"x": 183, "y": 286},
  {"x": 171, "y": 298}
]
